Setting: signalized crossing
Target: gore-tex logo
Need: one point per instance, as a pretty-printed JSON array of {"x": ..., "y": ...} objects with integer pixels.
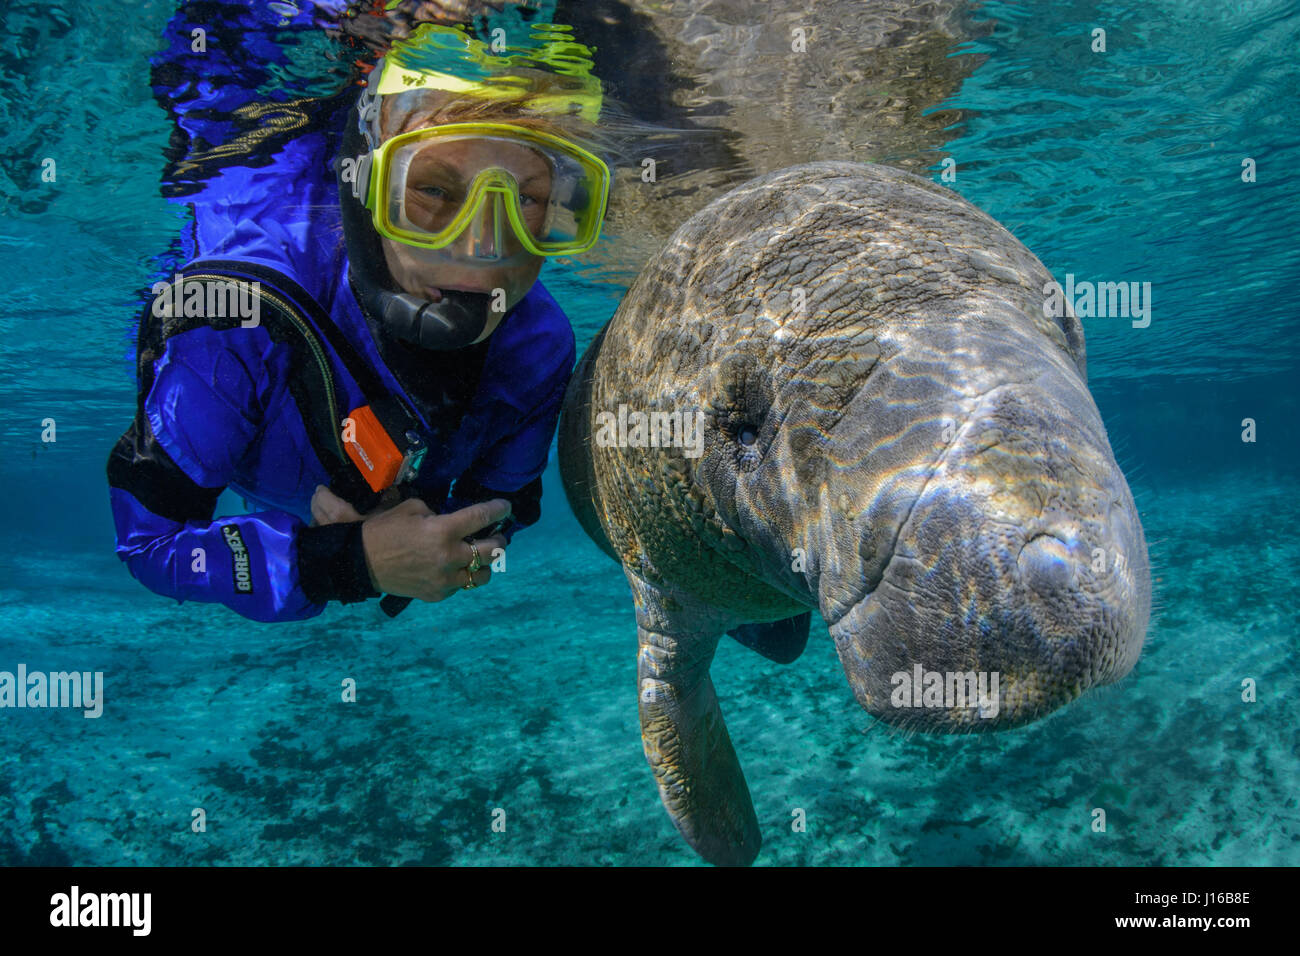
[{"x": 242, "y": 570}]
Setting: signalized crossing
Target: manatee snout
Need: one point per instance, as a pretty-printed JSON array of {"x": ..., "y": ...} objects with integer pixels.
[{"x": 1020, "y": 570}]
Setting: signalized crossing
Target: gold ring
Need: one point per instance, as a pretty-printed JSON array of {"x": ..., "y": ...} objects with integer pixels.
[{"x": 475, "y": 564}]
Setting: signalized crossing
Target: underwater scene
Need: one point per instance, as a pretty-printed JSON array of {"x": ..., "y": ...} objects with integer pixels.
[{"x": 1019, "y": 396}]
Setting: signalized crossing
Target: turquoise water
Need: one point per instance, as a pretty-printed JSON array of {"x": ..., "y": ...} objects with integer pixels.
[{"x": 1122, "y": 167}]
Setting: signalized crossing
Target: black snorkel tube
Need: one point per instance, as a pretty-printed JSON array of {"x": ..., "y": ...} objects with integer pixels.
[{"x": 454, "y": 322}]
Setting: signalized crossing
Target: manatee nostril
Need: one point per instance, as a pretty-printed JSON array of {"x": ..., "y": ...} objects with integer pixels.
[{"x": 1045, "y": 563}]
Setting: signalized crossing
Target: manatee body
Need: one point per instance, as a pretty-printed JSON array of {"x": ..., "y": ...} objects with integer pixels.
[{"x": 893, "y": 435}]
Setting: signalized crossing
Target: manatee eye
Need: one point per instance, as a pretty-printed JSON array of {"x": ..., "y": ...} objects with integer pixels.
[
  {"x": 748, "y": 450},
  {"x": 741, "y": 404}
]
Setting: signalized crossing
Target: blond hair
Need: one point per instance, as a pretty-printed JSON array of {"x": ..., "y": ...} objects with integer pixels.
[{"x": 419, "y": 109}]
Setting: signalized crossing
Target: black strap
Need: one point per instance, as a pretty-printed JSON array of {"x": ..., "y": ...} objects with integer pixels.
[
  {"x": 305, "y": 378},
  {"x": 371, "y": 385},
  {"x": 393, "y": 413}
]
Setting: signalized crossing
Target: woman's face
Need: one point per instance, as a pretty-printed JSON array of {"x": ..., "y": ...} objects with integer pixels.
[{"x": 437, "y": 182}]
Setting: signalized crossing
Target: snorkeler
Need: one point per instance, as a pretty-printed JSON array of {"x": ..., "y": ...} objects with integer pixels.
[{"x": 390, "y": 397}]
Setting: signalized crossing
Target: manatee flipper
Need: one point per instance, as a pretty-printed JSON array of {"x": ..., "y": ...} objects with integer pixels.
[
  {"x": 685, "y": 738},
  {"x": 780, "y": 641}
]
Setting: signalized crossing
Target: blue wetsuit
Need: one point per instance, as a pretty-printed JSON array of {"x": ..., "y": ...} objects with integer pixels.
[{"x": 214, "y": 409}]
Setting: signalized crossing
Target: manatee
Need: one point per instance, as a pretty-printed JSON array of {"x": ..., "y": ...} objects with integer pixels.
[{"x": 894, "y": 434}]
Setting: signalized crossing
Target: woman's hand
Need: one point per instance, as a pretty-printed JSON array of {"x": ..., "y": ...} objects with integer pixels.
[{"x": 413, "y": 552}]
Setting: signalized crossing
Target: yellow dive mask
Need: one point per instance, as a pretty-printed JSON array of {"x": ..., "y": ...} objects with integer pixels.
[{"x": 501, "y": 187}]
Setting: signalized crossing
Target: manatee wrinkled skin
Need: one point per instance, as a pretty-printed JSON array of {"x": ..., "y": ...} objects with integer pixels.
[{"x": 894, "y": 435}]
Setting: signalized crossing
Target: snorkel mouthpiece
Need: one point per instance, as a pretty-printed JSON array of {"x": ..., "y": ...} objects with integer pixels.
[{"x": 452, "y": 323}]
